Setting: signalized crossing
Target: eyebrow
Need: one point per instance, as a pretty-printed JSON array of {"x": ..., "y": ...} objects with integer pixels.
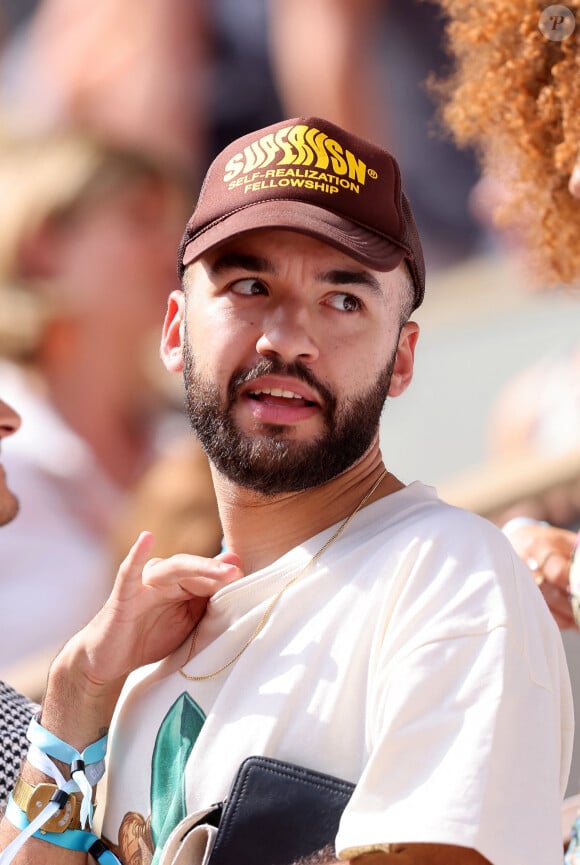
[
  {"x": 257, "y": 264},
  {"x": 241, "y": 261},
  {"x": 351, "y": 277}
]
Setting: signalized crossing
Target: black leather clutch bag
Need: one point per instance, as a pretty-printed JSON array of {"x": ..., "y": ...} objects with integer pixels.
[{"x": 278, "y": 813}]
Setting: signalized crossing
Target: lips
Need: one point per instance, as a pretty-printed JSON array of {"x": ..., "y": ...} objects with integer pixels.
[
  {"x": 279, "y": 396},
  {"x": 274, "y": 400}
]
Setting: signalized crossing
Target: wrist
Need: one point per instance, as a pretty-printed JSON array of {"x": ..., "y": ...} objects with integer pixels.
[{"x": 78, "y": 705}]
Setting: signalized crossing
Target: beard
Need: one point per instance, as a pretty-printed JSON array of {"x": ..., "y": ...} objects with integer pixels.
[{"x": 271, "y": 462}]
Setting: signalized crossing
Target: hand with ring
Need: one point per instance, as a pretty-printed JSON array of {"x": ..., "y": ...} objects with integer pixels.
[{"x": 547, "y": 551}]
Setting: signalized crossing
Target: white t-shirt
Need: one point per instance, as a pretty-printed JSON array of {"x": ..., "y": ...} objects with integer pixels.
[{"x": 416, "y": 659}]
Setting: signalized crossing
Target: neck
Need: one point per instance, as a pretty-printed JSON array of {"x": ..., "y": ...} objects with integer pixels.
[{"x": 260, "y": 529}]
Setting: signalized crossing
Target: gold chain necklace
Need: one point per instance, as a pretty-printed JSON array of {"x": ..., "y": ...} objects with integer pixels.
[{"x": 276, "y": 598}]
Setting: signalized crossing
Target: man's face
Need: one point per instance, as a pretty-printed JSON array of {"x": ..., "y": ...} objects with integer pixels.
[
  {"x": 289, "y": 349},
  {"x": 9, "y": 423}
]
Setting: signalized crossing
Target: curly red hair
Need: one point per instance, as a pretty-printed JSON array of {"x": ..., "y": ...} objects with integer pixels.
[{"x": 514, "y": 96}]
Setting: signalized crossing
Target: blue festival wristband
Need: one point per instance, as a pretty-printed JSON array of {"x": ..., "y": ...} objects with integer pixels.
[
  {"x": 71, "y": 839},
  {"x": 54, "y": 747}
]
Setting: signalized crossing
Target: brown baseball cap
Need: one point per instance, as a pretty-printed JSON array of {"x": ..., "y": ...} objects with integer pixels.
[{"x": 311, "y": 176}]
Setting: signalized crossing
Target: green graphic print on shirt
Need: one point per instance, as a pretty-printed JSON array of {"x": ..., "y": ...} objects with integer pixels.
[{"x": 176, "y": 737}]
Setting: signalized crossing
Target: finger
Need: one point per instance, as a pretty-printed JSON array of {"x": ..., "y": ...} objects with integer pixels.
[
  {"x": 136, "y": 559},
  {"x": 153, "y": 561},
  {"x": 229, "y": 558},
  {"x": 550, "y": 563},
  {"x": 556, "y": 570},
  {"x": 551, "y": 541},
  {"x": 537, "y": 540},
  {"x": 184, "y": 564},
  {"x": 182, "y": 577}
]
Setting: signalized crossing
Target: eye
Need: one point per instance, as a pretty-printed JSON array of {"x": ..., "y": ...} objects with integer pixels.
[
  {"x": 248, "y": 287},
  {"x": 345, "y": 302}
]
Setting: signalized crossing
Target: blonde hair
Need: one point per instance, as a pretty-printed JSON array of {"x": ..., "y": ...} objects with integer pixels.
[{"x": 514, "y": 96}]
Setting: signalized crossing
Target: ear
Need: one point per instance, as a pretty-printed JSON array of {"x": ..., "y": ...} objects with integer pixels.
[
  {"x": 173, "y": 332},
  {"x": 404, "y": 359}
]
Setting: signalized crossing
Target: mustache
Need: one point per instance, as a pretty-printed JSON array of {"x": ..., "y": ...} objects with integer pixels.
[{"x": 275, "y": 366}]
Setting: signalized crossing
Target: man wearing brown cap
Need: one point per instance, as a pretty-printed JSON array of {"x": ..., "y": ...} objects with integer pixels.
[{"x": 366, "y": 637}]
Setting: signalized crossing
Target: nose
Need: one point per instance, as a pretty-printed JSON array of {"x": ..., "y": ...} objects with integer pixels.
[
  {"x": 286, "y": 333},
  {"x": 9, "y": 420}
]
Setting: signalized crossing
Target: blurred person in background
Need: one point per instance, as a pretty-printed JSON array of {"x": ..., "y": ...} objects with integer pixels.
[
  {"x": 144, "y": 87},
  {"x": 513, "y": 95},
  {"x": 87, "y": 239}
]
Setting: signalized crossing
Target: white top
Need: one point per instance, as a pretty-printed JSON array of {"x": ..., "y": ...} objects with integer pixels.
[
  {"x": 417, "y": 659},
  {"x": 55, "y": 574}
]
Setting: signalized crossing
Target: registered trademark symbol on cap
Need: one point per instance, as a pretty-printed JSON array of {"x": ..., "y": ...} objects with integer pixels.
[
  {"x": 557, "y": 23},
  {"x": 372, "y": 173}
]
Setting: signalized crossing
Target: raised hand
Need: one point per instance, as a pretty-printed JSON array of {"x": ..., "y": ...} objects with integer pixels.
[{"x": 153, "y": 607}]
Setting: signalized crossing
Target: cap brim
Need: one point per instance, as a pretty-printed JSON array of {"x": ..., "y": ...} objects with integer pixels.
[{"x": 361, "y": 244}]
